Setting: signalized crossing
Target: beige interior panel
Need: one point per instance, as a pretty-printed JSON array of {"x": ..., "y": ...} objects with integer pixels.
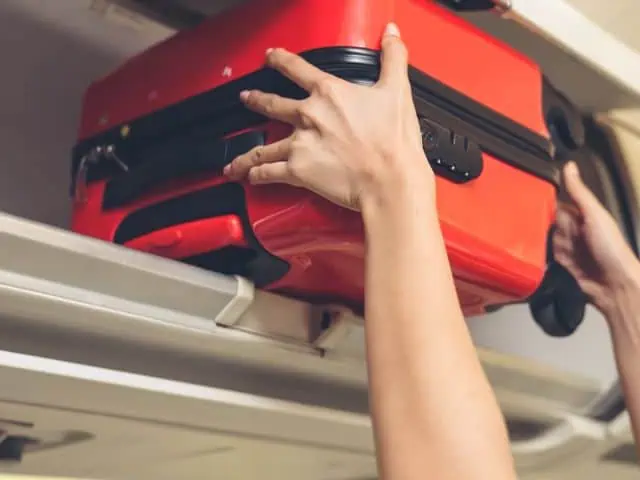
[
  {"x": 620, "y": 17},
  {"x": 128, "y": 449},
  {"x": 626, "y": 127}
]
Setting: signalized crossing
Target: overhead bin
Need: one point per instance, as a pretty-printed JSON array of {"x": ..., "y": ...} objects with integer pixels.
[
  {"x": 59, "y": 300},
  {"x": 49, "y": 282},
  {"x": 158, "y": 428},
  {"x": 218, "y": 332}
]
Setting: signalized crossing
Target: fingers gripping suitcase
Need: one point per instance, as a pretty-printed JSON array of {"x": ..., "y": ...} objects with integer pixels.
[{"x": 156, "y": 133}]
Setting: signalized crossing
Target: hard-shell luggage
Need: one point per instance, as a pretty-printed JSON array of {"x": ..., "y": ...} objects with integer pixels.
[{"x": 156, "y": 133}]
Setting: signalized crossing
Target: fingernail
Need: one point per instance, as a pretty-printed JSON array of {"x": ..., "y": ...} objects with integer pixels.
[
  {"x": 572, "y": 169},
  {"x": 268, "y": 52},
  {"x": 244, "y": 95},
  {"x": 392, "y": 29},
  {"x": 226, "y": 170}
]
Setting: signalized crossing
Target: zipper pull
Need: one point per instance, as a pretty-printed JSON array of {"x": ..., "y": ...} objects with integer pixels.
[
  {"x": 93, "y": 158},
  {"x": 111, "y": 153},
  {"x": 80, "y": 182}
]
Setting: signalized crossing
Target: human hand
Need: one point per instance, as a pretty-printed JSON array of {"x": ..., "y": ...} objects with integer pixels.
[
  {"x": 589, "y": 244},
  {"x": 351, "y": 143}
]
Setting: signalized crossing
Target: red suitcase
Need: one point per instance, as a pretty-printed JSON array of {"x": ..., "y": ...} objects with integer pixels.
[{"x": 156, "y": 133}]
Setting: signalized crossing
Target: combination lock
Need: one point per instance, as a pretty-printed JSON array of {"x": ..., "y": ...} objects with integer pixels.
[{"x": 451, "y": 155}]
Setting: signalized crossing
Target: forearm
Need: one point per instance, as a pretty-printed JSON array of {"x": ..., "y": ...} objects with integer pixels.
[
  {"x": 624, "y": 321},
  {"x": 434, "y": 412}
]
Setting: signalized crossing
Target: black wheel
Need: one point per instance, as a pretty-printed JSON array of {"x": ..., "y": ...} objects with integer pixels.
[{"x": 559, "y": 305}]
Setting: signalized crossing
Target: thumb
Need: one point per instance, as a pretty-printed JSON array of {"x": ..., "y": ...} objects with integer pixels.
[
  {"x": 583, "y": 198},
  {"x": 394, "y": 57}
]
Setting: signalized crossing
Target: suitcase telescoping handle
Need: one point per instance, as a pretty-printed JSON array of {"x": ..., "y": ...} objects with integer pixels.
[{"x": 175, "y": 159}]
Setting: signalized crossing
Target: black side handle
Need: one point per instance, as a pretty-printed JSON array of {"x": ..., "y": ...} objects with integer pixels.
[
  {"x": 176, "y": 159},
  {"x": 451, "y": 155},
  {"x": 564, "y": 121},
  {"x": 469, "y": 5}
]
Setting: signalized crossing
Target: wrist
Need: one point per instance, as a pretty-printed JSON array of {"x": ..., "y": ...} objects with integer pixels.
[
  {"x": 400, "y": 211},
  {"x": 628, "y": 279},
  {"x": 400, "y": 193},
  {"x": 624, "y": 304}
]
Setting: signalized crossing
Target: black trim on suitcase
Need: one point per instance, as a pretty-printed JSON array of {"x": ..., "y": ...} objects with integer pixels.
[
  {"x": 469, "y": 5},
  {"x": 254, "y": 263},
  {"x": 219, "y": 112},
  {"x": 175, "y": 160}
]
